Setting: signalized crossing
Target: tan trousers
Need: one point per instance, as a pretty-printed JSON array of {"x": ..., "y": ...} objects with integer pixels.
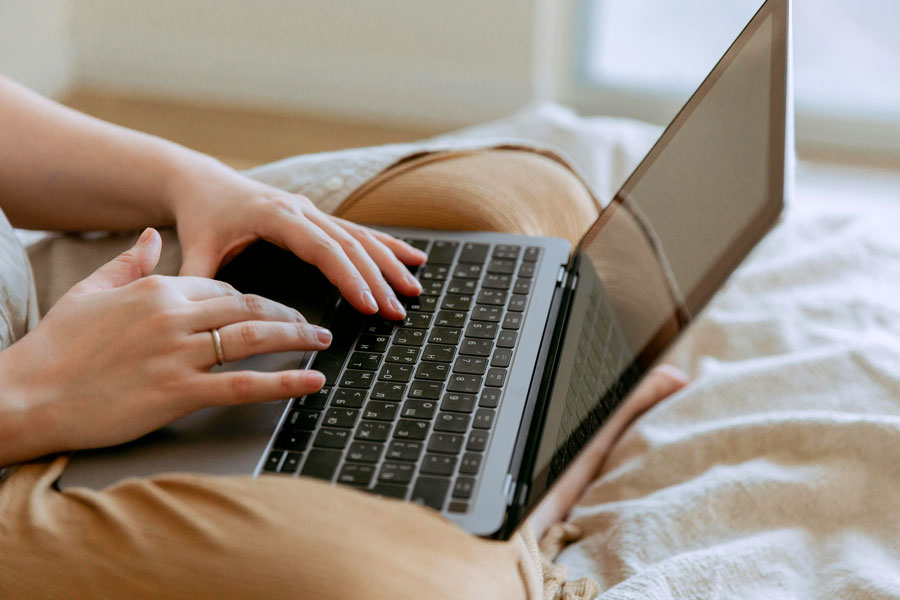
[{"x": 195, "y": 536}]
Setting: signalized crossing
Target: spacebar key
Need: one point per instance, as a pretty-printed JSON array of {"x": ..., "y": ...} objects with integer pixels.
[
  {"x": 346, "y": 325},
  {"x": 430, "y": 491}
]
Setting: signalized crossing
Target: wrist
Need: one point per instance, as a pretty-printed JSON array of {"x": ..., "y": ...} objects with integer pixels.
[
  {"x": 191, "y": 174},
  {"x": 23, "y": 433}
]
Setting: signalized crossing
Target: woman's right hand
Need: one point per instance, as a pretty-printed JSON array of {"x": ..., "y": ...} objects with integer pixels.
[{"x": 123, "y": 353}]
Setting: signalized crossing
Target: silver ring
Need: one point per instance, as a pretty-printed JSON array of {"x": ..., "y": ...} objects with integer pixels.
[{"x": 217, "y": 342}]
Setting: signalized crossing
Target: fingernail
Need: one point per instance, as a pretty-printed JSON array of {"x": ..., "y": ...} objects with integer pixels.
[
  {"x": 314, "y": 378},
  {"x": 370, "y": 301},
  {"x": 413, "y": 282},
  {"x": 323, "y": 334},
  {"x": 395, "y": 304},
  {"x": 422, "y": 255},
  {"x": 145, "y": 236}
]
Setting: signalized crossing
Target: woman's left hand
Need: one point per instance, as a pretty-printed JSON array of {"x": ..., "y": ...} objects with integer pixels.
[{"x": 220, "y": 214}]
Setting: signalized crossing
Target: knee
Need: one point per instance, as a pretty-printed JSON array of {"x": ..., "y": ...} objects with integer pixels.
[{"x": 511, "y": 191}]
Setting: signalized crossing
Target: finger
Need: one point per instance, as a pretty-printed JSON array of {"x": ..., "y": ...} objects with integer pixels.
[
  {"x": 133, "y": 264},
  {"x": 403, "y": 251},
  {"x": 225, "y": 310},
  {"x": 249, "y": 338},
  {"x": 394, "y": 271},
  {"x": 202, "y": 288},
  {"x": 389, "y": 305},
  {"x": 242, "y": 387},
  {"x": 309, "y": 242},
  {"x": 199, "y": 261},
  {"x": 660, "y": 383}
]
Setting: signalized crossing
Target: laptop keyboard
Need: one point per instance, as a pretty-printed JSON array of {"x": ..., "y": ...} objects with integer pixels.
[{"x": 408, "y": 408}]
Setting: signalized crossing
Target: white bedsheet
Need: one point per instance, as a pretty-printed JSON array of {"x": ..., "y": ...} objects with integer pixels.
[{"x": 776, "y": 473}]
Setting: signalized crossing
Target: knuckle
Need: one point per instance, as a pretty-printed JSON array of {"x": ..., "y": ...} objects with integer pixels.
[
  {"x": 241, "y": 386},
  {"x": 285, "y": 384},
  {"x": 153, "y": 284},
  {"x": 251, "y": 334},
  {"x": 254, "y": 305},
  {"x": 324, "y": 246}
]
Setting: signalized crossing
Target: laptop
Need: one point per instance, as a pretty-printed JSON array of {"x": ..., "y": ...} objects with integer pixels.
[{"x": 520, "y": 348}]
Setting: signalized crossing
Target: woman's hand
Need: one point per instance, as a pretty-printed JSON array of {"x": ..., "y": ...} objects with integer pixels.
[
  {"x": 659, "y": 384},
  {"x": 219, "y": 212},
  {"x": 122, "y": 354}
]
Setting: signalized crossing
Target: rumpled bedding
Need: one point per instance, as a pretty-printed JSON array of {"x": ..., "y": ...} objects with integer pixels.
[{"x": 776, "y": 473}]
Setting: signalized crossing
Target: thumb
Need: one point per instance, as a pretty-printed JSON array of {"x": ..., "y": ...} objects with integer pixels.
[{"x": 136, "y": 262}]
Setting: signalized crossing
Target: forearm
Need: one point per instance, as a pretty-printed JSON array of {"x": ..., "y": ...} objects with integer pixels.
[{"x": 62, "y": 170}]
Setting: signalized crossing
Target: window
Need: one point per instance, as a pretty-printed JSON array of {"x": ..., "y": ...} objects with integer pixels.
[{"x": 643, "y": 58}]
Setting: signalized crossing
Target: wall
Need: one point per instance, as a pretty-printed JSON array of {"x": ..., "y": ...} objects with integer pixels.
[
  {"x": 34, "y": 47},
  {"x": 429, "y": 62}
]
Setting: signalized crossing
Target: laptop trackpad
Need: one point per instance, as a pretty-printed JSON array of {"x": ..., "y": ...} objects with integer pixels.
[{"x": 219, "y": 440}]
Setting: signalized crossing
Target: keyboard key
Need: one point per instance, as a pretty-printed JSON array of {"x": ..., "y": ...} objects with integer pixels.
[
  {"x": 442, "y": 252},
  {"x": 430, "y": 491},
  {"x": 321, "y": 464},
  {"x": 332, "y": 438},
  {"x": 445, "y": 443},
  {"x": 490, "y": 314},
  {"x": 517, "y": 303},
  {"x": 502, "y": 357},
  {"x": 474, "y": 253},
  {"x": 495, "y": 377},
  {"x": 469, "y": 384},
  {"x": 470, "y": 365},
  {"x": 462, "y": 286},
  {"x": 438, "y": 353},
  {"x": 314, "y": 401},
  {"x": 404, "y": 450},
  {"x": 380, "y": 411},
  {"x": 344, "y": 418},
  {"x": 464, "y": 487},
  {"x": 348, "y": 398},
  {"x": 402, "y": 354},
  {"x": 396, "y": 373},
  {"x": 411, "y": 430},
  {"x": 507, "y": 338},
  {"x": 417, "y": 320},
  {"x": 449, "y": 318},
  {"x": 451, "y": 422},
  {"x": 467, "y": 271},
  {"x": 490, "y": 398},
  {"x": 417, "y": 243},
  {"x": 302, "y": 419},
  {"x": 410, "y": 337},
  {"x": 356, "y": 475},
  {"x": 527, "y": 270},
  {"x": 372, "y": 343},
  {"x": 373, "y": 431},
  {"x": 445, "y": 335},
  {"x": 522, "y": 286},
  {"x": 434, "y": 272},
  {"x": 482, "y": 330},
  {"x": 357, "y": 379},
  {"x": 425, "y": 390},
  {"x": 456, "y": 302},
  {"x": 458, "y": 507},
  {"x": 477, "y": 441},
  {"x": 422, "y": 304},
  {"x": 484, "y": 418},
  {"x": 438, "y": 464},
  {"x": 392, "y": 472},
  {"x": 475, "y": 347},
  {"x": 507, "y": 251},
  {"x": 366, "y": 452},
  {"x": 388, "y": 391},
  {"x": 494, "y": 281},
  {"x": 456, "y": 402},
  {"x": 531, "y": 254},
  {"x": 433, "y": 371},
  {"x": 471, "y": 463},
  {"x": 501, "y": 266},
  {"x": 296, "y": 441},
  {"x": 433, "y": 288},
  {"x": 274, "y": 460},
  {"x": 418, "y": 409},
  {"x": 491, "y": 297},
  {"x": 379, "y": 326},
  {"x": 364, "y": 361},
  {"x": 512, "y": 320},
  {"x": 390, "y": 491}
]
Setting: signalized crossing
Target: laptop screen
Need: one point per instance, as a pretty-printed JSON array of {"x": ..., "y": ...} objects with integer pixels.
[{"x": 692, "y": 210}]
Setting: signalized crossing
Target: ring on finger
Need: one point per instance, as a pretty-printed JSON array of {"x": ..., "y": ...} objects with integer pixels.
[{"x": 217, "y": 344}]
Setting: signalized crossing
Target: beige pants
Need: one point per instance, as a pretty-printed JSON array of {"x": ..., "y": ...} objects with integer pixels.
[{"x": 194, "y": 536}]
